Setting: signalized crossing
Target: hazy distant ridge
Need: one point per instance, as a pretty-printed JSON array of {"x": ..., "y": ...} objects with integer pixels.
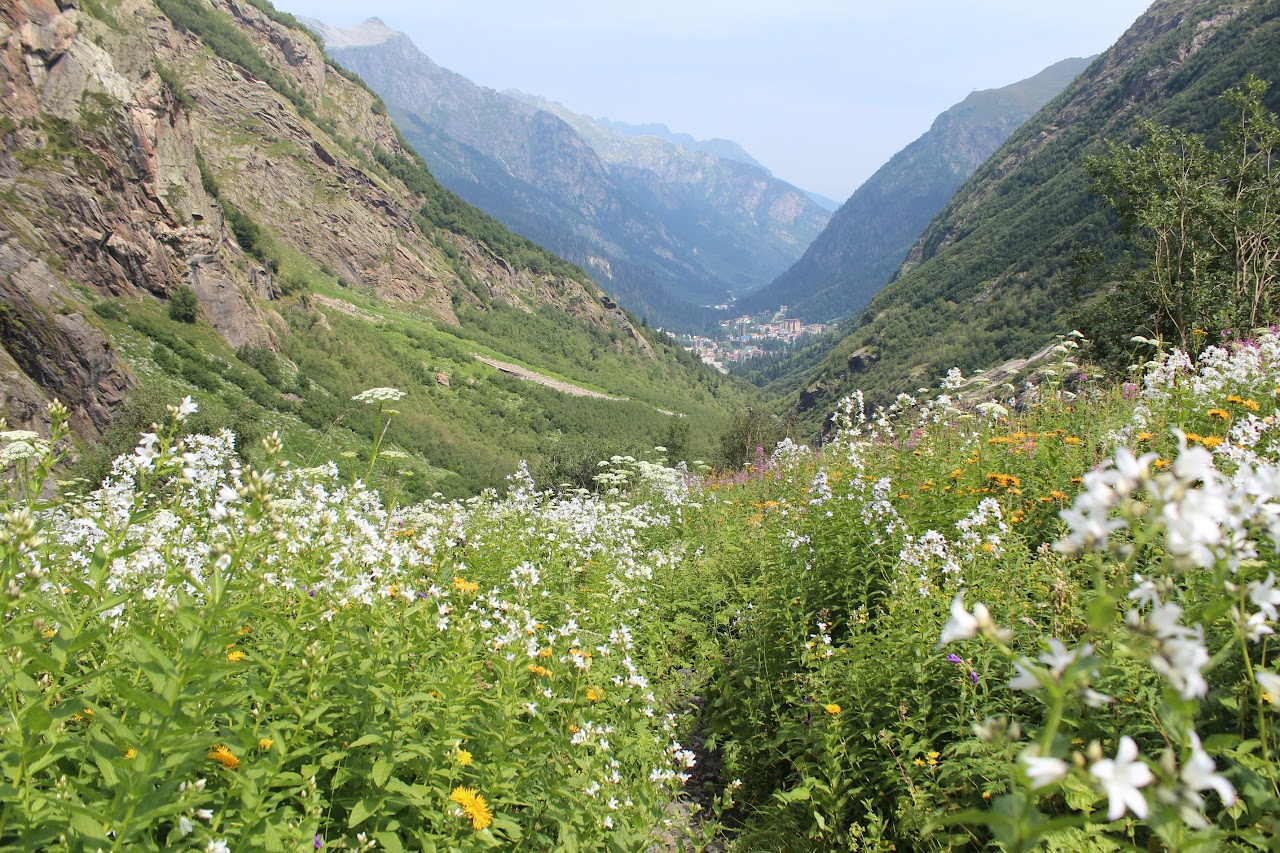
[
  {"x": 662, "y": 226},
  {"x": 870, "y": 234}
]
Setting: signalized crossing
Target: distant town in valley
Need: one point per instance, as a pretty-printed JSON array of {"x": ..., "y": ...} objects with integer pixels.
[{"x": 746, "y": 337}]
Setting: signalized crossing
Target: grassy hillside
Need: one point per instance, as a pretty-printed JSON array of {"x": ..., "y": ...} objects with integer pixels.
[{"x": 991, "y": 277}]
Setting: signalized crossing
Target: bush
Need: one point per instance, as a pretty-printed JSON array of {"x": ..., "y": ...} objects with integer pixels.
[{"x": 184, "y": 306}]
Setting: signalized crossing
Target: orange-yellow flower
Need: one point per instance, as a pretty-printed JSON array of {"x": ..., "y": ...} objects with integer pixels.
[
  {"x": 224, "y": 756},
  {"x": 462, "y": 585},
  {"x": 833, "y": 709},
  {"x": 1221, "y": 414},
  {"x": 236, "y": 656},
  {"x": 473, "y": 806},
  {"x": 595, "y": 694}
]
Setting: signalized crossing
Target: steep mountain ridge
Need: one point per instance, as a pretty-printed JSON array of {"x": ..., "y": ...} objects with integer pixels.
[
  {"x": 151, "y": 149},
  {"x": 991, "y": 277},
  {"x": 868, "y": 237},
  {"x": 664, "y": 233}
]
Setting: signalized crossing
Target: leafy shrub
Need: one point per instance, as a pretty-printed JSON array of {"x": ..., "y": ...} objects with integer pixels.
[{"x": 184, "y": 307}]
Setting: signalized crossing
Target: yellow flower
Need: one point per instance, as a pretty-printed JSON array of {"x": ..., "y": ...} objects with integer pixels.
[
  {"x": 462, "y": 757},
  {"x": 595, "y": 694},
  {"x": 933, "y": 757},
  {"x": 1145, "y": 436},
  {"x": 539, "y": 670},
  {"x": 1071, "y": 439},
  {"x": 224, "y": 756},
  {"x": 474, "y": 806},
  {"x": 833, "y": 708},
  {"x": 1211, "y": 441},
  {"x": 1221, "y": 414},
  {"x": 130, "y": 753},
  {"x": 462, "y": 585},
  {"x": 1251, "y": 405},
  {"x": 1199, "y": 332},
  {"x": 236, "y": 656},
  {"x": 1235, "y": 398},
  {"x": 264, "y": 743}
]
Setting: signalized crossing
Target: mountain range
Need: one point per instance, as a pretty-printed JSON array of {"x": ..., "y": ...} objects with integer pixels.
[
  {"x": 664, "y": 226},
  {"x": 868, "y": 237}
]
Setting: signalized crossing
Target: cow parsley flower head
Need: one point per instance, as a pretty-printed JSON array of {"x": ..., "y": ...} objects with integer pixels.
[{"x": 376, "y": 396}]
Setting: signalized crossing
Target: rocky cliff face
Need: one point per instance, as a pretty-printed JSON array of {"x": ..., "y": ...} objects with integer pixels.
[
  {"x": 106, "y": 116},
  {"x": 661, "y": 225},
  {"x": 867, "y": 239}
]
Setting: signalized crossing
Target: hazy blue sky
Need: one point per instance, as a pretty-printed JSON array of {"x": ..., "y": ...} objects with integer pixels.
[{"x": 821, "y": 91}]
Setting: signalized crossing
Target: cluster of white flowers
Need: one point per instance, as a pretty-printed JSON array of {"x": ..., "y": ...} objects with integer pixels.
[
  {"x": 21, "y": 445},
  {"x": 375, "y": 396}
]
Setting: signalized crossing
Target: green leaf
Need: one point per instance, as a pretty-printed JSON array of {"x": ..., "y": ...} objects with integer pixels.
[
  {"x": 361, "y": 811},
  {"x": 381, "y": 772},
  {"x": 390, "y": 841}
]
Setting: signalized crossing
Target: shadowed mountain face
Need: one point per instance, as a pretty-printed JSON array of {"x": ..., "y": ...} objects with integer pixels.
[
  {"x": 664, "y": 226},
  {"x": 868, "y": 237},
  {"x": 990, "y": 277}
]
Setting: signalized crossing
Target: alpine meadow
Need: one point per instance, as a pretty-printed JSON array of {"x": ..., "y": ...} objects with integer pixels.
[{"x": 337, "y": 513}]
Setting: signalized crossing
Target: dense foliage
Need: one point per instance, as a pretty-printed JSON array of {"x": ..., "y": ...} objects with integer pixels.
[
  {"x": 270, "y": 656},
  {"x": 468, "y": 426},
  {"x": 1207, "y": 220}
]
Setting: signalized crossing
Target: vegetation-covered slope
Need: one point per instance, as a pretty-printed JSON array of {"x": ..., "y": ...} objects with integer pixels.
[
  {"x": 196, "y": 201},
  {"x": 867, "y": 239},
  {"x": 948, "y": 630},
  {"x": 991, "y": 277},
  {"x": 664, "y": 227}
]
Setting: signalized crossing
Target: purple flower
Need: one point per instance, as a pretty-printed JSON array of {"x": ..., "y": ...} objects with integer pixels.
[
  {"x": 954, "y": 658},
  {"x": 973, "y": 673},
  {"x": 319, "y": 843}
]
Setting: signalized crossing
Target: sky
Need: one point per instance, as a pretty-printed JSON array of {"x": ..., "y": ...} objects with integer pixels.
[{"x": 822, "y": 92}]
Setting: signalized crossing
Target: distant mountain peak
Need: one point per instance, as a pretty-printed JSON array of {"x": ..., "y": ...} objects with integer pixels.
[{"x": 369, "y": 33}]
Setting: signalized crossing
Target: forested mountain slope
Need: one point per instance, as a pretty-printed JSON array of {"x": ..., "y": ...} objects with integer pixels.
[{"x": 990, "y": 278}]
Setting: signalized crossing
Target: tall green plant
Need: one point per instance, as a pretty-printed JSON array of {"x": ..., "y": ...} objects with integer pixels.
[{"x": 1208, "y": 219}]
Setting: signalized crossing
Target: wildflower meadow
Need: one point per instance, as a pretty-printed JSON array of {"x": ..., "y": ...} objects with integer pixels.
[{"x": 1026, "y": 618}]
